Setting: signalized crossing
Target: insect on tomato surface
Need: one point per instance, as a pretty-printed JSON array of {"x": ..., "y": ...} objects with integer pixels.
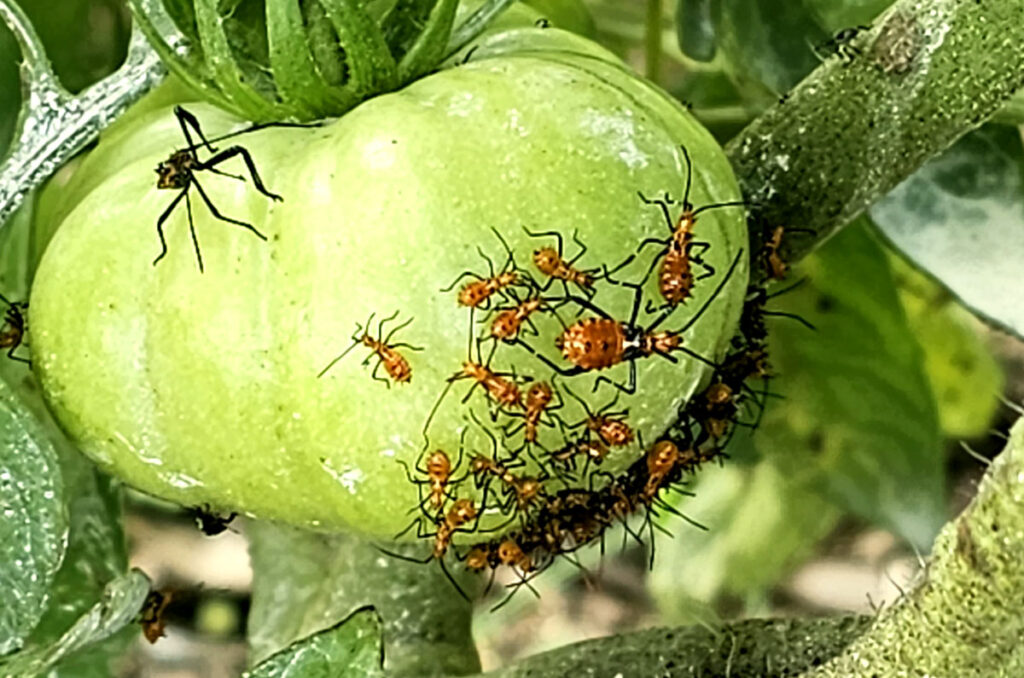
[{"x": 203, "y": 388}]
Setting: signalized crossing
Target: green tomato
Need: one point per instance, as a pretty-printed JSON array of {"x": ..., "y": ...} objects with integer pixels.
[{"x": 203, "y": 388}]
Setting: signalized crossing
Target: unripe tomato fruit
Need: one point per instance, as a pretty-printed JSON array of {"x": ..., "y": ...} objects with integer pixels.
[{"x": 203, "y": 388}]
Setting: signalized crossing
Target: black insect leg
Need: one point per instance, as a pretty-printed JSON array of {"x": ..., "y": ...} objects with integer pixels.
[
  {"x": 663, "y": 204},
  {"x": 630, "y": 387},
  {"x": 565, "y": 372},
  {"x": 217, "y": 215},
  {"x": 192, "y": 230},
  {"x": 229, "y": 153},
  {"x": 160, "y": 223},
  {"x": 10, "y": 354},
  {"x": 186, "y": 120}
]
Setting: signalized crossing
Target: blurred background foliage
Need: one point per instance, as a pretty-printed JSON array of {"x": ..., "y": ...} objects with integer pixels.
[{"x": 856, "y": 461}]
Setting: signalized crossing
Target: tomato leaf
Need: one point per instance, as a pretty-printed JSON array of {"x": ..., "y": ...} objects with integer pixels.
[
  {"x": 960, "y": 218},
  {"x": 760, "y": 521},
  {"x": 304, "y": 581},
  {"x": 965, "y": 377},
  {"x": 353, "y": 647},
  {"x": 770, "y": 43},
  {"x": 121, "y": 602},
  {"x": 34, "y": 525},
  {"x": 838, "y": 14},
  {"x": 695, "y": 27},
  {"x": 857, "y": 418}
]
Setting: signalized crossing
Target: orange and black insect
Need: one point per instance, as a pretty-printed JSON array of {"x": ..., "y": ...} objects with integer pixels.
[
  {"x": 593, "y": 451},
  {"x": 508, "y": 322},
  {"x": 680, "y": 251},
  {"x": 179, "y": 172},
  {"x": 719, "y": 401},
  {"x": 551, "y": 262},
  {"x": 662, "y": 460},
  {"x": 501, "y": 388},
  {"x": 478, "y": 292},
  {"x": 209, "y": 523},
  {"x": 597, "y": 343},
  {"x": 151, "y": 617},
  {"x": 381, "y": 348},
  {"x": 537, "y": 403},
  {"x": 438, "y": 469},
  {"x": 463, "y": 516},
  {"x": 610, "y": 427},
  {"x": 523, "y": 491},
  {"x": 12, "y": 332},
  {"x": 777, "y": 267}
]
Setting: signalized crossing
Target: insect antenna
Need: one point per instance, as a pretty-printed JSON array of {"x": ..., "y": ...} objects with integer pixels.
[{"x": 356, "y": 340}]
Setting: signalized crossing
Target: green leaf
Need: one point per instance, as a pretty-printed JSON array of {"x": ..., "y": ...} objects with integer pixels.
[
  {"x": 96, "y": 552},
  {"x": 353, "y": 647},
  {"x": 960, "y": 218},
  {"x": 769, "y": 42},
  {"x": 838, "y": 14},
  {"x": 120, "y": 605},
  {"x": 695, "y": 27},
  {"x": 305, "y": 581},
  {"x": 964, "y": 375},
  {"x": 857, "y": 418},
  {"x": 761, "y": 523},
  {"x": 34, "y": 525}
]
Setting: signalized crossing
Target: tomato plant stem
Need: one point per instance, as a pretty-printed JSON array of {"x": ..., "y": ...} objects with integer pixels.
[
  {"x": 923, "y": 76},
  {"x": 652, "y": 40}
]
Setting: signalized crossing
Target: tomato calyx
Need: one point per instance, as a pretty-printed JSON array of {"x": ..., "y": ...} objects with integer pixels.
[{"x": 305, "y": 61}]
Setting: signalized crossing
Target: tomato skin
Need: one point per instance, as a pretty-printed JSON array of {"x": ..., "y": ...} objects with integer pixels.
[{"x": 202, "y": 388}]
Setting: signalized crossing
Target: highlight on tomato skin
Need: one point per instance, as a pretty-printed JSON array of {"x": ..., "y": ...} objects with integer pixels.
[{"x": 210, "y": 388}]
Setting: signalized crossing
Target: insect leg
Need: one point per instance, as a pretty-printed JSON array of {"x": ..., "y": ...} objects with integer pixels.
[
  {"x": 545, "y": 234},
  {"x": 10, "y": 354},
  {"x": 217, "y": 215},
  {"x": 374, "y": 375},
  {"x": 160, "y": 224},
  {"x": 565, "y": 372},
  {"x": 186, "y": 120},
  {"x": 231, "y": 152},
  {"x": 192, "y": 230},
  {"x": 663, "y": 204}
]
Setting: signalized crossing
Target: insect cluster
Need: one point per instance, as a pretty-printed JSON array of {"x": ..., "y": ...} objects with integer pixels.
[
  {"x": 528, "y": 467},
  {"x": 532, "y": 449}
]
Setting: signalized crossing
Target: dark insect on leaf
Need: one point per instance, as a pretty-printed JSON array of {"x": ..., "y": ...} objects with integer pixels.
[
  {"x": 211, "y": 524},
  {"x": 151, "y": 616}
]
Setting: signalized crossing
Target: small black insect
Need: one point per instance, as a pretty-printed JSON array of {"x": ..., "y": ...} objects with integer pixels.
[
  {"x": 179, "y": 172},
  {"x": 211, "y": 524},
  {"x": 12, "y": 331},
  {"x": 841, "y": 44}
]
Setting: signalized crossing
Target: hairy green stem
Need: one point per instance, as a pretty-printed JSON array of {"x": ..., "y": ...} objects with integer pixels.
[
  {"x": 304, "y": 582},
  {"x": 963, "y": 617},
  {"x": 928, "y": 72}
]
